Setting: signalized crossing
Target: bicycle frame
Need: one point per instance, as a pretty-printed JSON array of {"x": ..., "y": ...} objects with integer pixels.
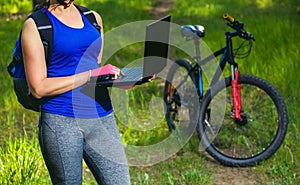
[{"x": 227, "y": 57}]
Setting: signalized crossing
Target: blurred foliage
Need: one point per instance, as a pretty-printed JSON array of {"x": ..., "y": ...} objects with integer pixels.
[
  {"x": 15, "y": 6},
  {"x": 8, "y": 7}
]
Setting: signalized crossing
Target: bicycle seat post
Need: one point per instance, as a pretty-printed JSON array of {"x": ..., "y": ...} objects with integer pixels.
[
  {"x": 197, "y": 48},
  {"x": 194, "y": 32}
]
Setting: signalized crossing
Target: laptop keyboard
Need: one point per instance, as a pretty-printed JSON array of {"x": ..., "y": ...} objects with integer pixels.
[{"x": 131, "y": 74}]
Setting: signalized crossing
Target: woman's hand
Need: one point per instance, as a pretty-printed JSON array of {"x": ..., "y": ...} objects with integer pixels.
[{"x": 106, "y": 70}]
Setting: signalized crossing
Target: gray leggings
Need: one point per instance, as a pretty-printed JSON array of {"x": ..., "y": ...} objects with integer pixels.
[{"x": 66, "y": 141}]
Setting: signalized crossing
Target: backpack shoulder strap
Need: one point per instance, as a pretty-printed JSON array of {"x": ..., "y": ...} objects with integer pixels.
[
  {"x": 89, "y": 15},
  {"x": 45, "y": 29}
]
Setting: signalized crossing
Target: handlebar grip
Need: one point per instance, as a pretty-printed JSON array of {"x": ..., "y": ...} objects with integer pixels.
[{"x": 228, "y": 17}]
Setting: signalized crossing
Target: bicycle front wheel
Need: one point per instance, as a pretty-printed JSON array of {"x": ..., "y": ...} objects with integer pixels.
[{"x": 254, "y": 139}]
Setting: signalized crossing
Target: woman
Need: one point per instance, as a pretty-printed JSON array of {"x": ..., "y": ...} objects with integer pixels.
[{"x": 73, "y": 126}]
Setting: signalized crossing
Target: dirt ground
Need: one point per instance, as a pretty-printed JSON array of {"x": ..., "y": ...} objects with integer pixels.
[
  {"x": 220, "y": 175},
  {"x": 231, "y": 176}
]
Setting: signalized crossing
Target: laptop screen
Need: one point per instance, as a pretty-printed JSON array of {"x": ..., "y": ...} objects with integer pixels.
[{"x": 156, "y": 46}]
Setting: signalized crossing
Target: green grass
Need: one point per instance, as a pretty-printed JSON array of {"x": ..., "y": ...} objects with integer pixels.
[
  {"x": 275, "y": 57},
  {"x": 21, "y": 162}
]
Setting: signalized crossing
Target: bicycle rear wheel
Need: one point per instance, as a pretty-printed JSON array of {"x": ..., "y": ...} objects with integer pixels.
[
  {"x": 180, "y": 95},
  {"x": 257, "y": 137}
]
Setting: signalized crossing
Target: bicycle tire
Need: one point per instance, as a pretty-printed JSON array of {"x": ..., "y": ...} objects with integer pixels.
[
  {"x": 174, "y": 95},
  {"x": 264, "y": 129}
]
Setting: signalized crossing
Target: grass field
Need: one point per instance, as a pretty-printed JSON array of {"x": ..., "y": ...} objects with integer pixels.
[{"x": 275, "y": 57}]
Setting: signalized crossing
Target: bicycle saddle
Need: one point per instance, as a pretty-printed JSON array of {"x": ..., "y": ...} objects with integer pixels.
[{"x": 191, "y": 31}]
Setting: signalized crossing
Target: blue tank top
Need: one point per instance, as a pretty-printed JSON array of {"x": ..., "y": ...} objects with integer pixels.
[{"x": 76, "y": 50}]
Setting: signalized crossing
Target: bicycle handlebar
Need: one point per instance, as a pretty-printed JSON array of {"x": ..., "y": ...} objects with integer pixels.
[
  {"x": 238, "y": 26},
  {"x": 228, "y": 17}
]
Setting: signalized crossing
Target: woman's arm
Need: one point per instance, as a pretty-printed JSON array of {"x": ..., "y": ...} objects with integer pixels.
[{"x": 36, "y": 69}]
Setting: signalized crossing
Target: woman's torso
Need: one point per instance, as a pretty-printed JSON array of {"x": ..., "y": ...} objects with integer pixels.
[{"x": 76, "y": 50}]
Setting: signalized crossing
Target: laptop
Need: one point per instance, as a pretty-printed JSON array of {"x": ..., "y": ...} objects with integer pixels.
[{"x": 155, "y": 57}]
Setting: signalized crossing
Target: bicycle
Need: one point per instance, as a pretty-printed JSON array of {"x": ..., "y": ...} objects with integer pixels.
[{"x": 255, "y": 120}]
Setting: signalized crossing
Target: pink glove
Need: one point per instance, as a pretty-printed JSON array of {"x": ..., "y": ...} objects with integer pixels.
[
  {"x": 106, "y": 70},
  {"x": 109, "y": 69}
]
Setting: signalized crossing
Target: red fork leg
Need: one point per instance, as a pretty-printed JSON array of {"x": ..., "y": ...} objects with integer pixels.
[{"x": 236, "y": 97}]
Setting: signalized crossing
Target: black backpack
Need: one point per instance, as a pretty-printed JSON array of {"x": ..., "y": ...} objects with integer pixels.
[{"x": 16, "y": 67}]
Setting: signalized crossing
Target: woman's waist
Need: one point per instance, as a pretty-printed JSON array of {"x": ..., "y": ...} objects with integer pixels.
[{"x": 72, "y": 104}]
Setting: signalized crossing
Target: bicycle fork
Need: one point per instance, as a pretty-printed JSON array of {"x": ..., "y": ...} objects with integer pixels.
[
  {"x": 236, "y": 87},
  {"x": 236, "y": 97}
]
